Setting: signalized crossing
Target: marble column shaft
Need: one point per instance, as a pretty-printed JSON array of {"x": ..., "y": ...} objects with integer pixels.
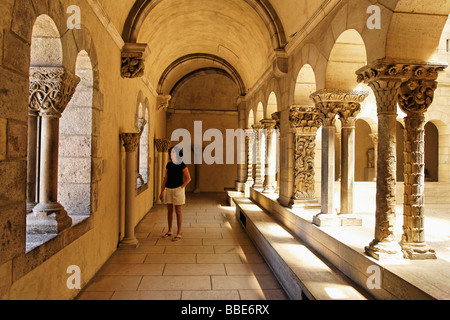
[
  {"x": 32, "y": 159},
  {"x": 131, "y": 144},
  {"x": 347, "y": 115},
  {"x": 271, "y": 151}
]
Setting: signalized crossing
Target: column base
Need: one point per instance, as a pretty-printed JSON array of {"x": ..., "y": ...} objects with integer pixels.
[
  {"x": 417, "y": 251},
  {"x": 304, "y": 204},
  {"x": 247, "y": 186},
  {"x": 350, "y": 220},
  {"x": 268, "y": 190},
  {"x": 258, "y": 185},
  {"x": 48, "y": 218},
  {"x": 326, "y": 220},
  {"x": 129, "y": 243},
  {"x": 384, "y": 250},
  {"x": 239, "y": 186},
  {"x": 30, "y": 207}
]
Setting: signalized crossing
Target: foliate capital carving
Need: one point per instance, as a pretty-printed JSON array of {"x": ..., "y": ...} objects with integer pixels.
[
  {"x": 51, "y": 89},
  {"x": 304, "y": 119},
  {"x": 416, "y": 96},
  {"x": 133, "y": 60},
  {"x": 385, "y": 77},
  {"x": 162, "y": 145},
  {"x": 268, "y": 124},
  {"x": 130, "y": 141},
  {"x": 332, "y": 101},
  {"x": 162, "y": 102}
]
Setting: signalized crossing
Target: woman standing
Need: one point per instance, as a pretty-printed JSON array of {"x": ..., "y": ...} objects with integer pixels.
[{"x": 173, "y": 190}]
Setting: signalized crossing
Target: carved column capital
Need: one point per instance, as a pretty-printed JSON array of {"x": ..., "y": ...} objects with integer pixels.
[
  {"x": 417, "y": 93},
  {"x": 133, "y": 60},
  {"x": 162, "y": 145},
  {"x": 51, "y": 89},
  {"x": 162, "y": 102},
  {"x": 304, "y": 119},
  {"x": 130, "y": 141},
  {"x": 277, "y": 116},
  {"x": 331, "y": 101}
]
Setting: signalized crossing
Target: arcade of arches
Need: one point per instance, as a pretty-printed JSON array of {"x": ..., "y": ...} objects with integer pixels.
[{"x": 346, "y": 123}]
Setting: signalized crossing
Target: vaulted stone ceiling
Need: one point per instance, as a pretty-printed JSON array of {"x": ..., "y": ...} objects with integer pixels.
[{"x": 237, "y": 36}]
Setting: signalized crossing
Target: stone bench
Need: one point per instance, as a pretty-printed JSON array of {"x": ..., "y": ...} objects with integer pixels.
[{"x": 302, "y": 273}]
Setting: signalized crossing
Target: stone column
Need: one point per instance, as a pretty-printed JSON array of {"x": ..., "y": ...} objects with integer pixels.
[
  {"x": 347, "y": 115},
  {"x": 250, "y": 139},
  {"x": 385, "y": 78},
  {"x": 416, "y": 95},
  {"x": 32, "y": 158},
  {"x": 276, "y": 117},
  {"x": 327, "y": 102},
  {"x": 260, "y": 152},
  {"x": 131, "y": 144},
  {"x": 374, "y": 137},
  {"x": 270, "y": 161},
  {"x": 304, "y": 123},
  {"x": 162, "y": 147},
  {"x": 51, "y": 89}
]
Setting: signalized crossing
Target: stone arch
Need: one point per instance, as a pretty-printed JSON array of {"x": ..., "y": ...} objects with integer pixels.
[
  {"x": 365, "y": 157},
  {"x": 259, "y": 115},
  {"x": 346, "y": 57},
  {"x": 440, "y": 121},
  {"x": 142, "y": 8},
  {"x": 305, "y": 85},
  {"x": 251, "y": 119},
  {"x": 272, "y": 105}
]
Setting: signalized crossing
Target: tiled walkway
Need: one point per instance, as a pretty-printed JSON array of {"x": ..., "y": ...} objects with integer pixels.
[{"x": 214, "y": 260}]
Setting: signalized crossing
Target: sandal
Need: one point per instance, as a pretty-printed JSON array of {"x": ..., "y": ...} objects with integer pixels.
[
  {"x": 167, "y": 235},
  {"x": 177, "y": 238}
]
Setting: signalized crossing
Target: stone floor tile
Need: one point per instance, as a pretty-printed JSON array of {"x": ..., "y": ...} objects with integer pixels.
[
  {"x": 147, "y": 295},
  {"x": 171, "y": 258},
  {"x": 211, "y": 295},
  {"x": 219, "y": 258},
  {"x": 247, "y": 269},
  {"x": 245, "y": 282},
  {"x": 272, "y": 294},
  {"x": 114, "y": 283},
  {"x": 127, "y": 257},
  {"x": 189, "y": 249},
  {"x": 132, "y": 269},
  {"x": 95, "y": 295},
  {"x": 175, "y": 283},
  {"x": 194, "y": 269}
]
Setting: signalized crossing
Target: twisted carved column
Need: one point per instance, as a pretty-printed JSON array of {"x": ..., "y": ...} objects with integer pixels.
[
  {"x": 385, "y": 78},
  {"x": 162, "y": 147},
  {"x": 260, "y": 156},
  {"x": 328, "y": 103},
  {"x": 416, "y": 95},
  {"x": 347, "y": 115},
  {"x": 51, "y": 89},
  {"x": 131, "y": 144},
  {"x": 271, "y": 161},
  {"x": 304, "y": 123}
]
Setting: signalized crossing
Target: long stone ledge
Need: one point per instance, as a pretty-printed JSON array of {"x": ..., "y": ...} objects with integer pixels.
[{"x": 303, "y": 274}]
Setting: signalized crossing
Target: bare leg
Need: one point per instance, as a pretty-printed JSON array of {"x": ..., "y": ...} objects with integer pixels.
[
  {"x": 170, "y": 218},
  {"x": 178, "y": 210}
]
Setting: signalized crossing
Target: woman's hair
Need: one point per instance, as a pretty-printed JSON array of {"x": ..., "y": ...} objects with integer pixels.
[{"x": 179, "y": 153}]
